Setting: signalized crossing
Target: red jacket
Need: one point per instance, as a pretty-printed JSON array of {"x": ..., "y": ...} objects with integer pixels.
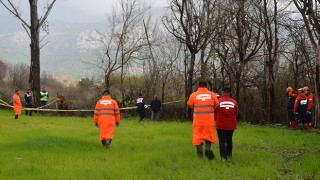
[
  {"x": 310, "y": 101},
  {"x": 300, "y": 97},
  {"x": 226, "y": 113}
]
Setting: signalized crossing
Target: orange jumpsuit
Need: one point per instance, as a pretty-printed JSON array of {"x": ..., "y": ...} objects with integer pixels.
[
  {"x": 106, "y": 115},
  {"x": 203, "y": 103},
  {"x": 17, "y": 105}
]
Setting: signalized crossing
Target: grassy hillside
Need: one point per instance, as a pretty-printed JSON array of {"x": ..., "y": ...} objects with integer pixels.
[{"x": 69, "y": 148}]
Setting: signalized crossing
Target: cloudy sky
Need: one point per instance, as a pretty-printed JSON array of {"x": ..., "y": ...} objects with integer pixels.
[{"x": 74, "y": 11}]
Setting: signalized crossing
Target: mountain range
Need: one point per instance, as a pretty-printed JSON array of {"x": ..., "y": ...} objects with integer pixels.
[{"x": 67, "y": 50}]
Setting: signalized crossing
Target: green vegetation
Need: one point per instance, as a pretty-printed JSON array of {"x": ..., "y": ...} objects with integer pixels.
[{"x": 43, "y": 147}]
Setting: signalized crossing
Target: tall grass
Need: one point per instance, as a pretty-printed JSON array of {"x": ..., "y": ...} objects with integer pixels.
[{"x": 44, "y": 147}]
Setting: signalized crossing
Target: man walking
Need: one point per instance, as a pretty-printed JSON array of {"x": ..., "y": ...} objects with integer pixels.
[
  {"x": 17, "y": 105},
  {"x": 226, "y": 122},
  {"x": 155, "y": 108},
  {"x": 106, "y": 117},
  {"x": 203, "y": 103},
  {"x": 141, "y": 107}
]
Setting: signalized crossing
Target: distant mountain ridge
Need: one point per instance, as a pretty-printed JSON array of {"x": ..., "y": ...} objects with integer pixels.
[{"x": 68, "y": 47}]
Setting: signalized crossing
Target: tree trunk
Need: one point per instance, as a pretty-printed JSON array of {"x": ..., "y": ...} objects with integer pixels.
[
  {"x": 34, "y": 78},
  {"x": 317, "y": 85},
  {"x": 190, "y": 82},
  {"x": 271, "y": 94}
]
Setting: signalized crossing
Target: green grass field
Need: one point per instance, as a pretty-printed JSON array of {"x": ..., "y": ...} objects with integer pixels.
[{"x": 44, "y": 147}]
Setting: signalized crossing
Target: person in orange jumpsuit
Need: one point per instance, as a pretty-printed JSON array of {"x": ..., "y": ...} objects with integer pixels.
[
  {"x": 300, "y": 108},
  {"x": 17, "y": 105},
  {"x": 291, "y": 95},
  {"x": 309, "y": 107},
  {"x": 106, "y": 117},
  {"x": 203, "y": 103}
]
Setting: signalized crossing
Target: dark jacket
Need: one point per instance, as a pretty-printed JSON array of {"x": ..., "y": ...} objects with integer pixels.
[
  {"x": 155, "y": 105},
  {"x": 140, "y": 105},
  {"x": 291, "y": 99},
  {"x": 301, "y": 103},
  {"x": 27, "y": 98}
]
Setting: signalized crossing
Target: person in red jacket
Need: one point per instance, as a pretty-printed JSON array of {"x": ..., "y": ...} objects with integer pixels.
[
  {"x": 309, "y": 108},
  {"x": 17, "y": 105},
  {"x": 300, "y": 109},
  {"x": 106, "y": 117},
  {"x": 226, "y": 122},
  {"x": 291, "y": 95},
  {"x": 203, "y": 103}
]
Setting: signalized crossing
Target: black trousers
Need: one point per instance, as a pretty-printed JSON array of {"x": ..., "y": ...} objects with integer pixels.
[
  {"x": 290, "y": 114},
  {"x": 29, "y": 105},
  {"x": 225, "y": 142},
  {"x": 302, "y": 117}
]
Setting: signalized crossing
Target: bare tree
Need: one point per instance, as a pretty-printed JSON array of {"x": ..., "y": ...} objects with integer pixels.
[
  {"x": 3, "y": 70},
  {"x": 123, "y": 41},
  {"x": 239, "y": 41},
  {"x": 33, "y": 30},
  {"x": 299, "y": 57},
  {"x": 17, "y": 75},
  {"x": 270, "y": 25},
  {"x": 190, "y": 23},
  {"x": 309, "y": 10}
]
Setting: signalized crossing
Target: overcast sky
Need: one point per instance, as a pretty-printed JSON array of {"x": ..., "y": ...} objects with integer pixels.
[{"x": 78, "y": 10}]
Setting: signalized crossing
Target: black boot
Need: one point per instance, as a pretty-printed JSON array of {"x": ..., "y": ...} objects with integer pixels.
[
  {"x": 16, "y": 117},
  {"x": 199, "y": 151},
  {"x": 208, "y": 153},
  {"x": 104, "y": 143},
  {"x": 109, "y": 142}
]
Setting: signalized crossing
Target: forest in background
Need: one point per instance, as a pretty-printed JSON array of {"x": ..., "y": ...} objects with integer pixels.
[{"x": 256, "y": 47}]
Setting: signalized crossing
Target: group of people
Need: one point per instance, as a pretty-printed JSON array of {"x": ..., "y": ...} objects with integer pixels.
[
  {"x": 300, "y": 107},
  {"x": 17, "y": 103},
  {"x": 155, "y": 106},
  {"x": 207, "y": 109},
  {"x": 107, "y": 115}
]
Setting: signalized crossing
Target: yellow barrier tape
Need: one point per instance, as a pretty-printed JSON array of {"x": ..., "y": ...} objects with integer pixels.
[
  {"x": 74, "y": 110},
  {"x": 48, "y": 104},
  {"x": 4, "y": 102}
]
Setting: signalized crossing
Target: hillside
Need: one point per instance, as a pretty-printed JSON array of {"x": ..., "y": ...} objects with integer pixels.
[{"x": 68, "y": 48}]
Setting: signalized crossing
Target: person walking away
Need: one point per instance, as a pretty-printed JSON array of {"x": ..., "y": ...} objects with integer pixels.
[
  {"x": 300, "y": 108},
  {"x": 155, "y": 106},
  {"x": 291, "y": 95},
  {"x": 44, "y": 96},
  {"x": 141, "y": 107},
  {"x": 28, "y": 102},
  {"x": 226, "y": 122},
  {"x": 17, "y": 105},
  {"x": 203, "y": 103},
  {"x": 106, "y": 117},
  {"x": 309, "y": 108}
]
